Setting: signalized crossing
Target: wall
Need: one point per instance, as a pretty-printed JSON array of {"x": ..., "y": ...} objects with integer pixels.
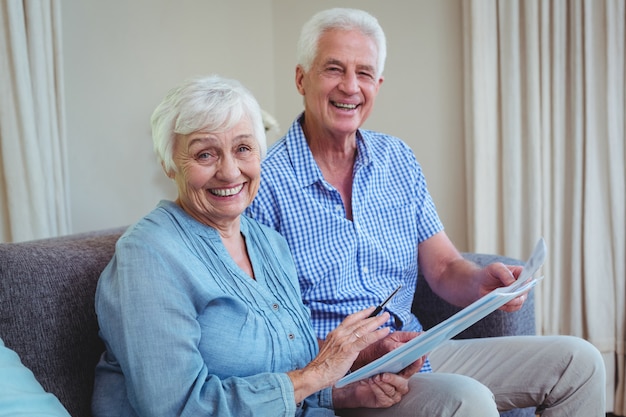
[{"x": 121, "y": 57}]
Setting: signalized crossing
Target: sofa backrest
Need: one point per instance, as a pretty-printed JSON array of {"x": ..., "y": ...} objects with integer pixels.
[{"x": 47, "y": 314}]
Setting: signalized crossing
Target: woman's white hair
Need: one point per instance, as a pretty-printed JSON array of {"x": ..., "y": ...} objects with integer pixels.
[
  {"x": 339, "y": 19},
  {"x": 213, "y": 103}
]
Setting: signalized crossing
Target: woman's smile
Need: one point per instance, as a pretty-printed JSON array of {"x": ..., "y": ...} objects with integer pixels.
[{"x": 226, "y": 192}]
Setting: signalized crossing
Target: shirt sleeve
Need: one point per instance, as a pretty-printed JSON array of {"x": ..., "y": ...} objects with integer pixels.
[
  {"x": 147, "y": 316},
  {"x": 20, "y": 393}
]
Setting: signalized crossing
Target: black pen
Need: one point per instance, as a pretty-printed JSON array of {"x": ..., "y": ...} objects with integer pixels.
[{"x": 384, "y": 303}]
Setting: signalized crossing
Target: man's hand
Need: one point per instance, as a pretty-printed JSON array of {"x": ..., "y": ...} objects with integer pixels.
[
  {"x": 499, "y": 275},
  {"x": 389, "y": 343}
]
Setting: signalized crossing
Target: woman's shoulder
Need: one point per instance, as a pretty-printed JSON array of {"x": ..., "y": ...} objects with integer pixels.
[
  {"x": 162, "y": 229},
  {"x": 154, "y": 224}
]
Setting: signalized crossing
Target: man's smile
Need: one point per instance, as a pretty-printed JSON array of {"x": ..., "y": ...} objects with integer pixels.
[{"x": 347, "y": 106}]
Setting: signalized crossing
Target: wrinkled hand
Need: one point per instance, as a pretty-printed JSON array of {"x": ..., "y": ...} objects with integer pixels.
[
  {"x": 380, "y": 391},
  {"x": 498, "y": 275},
  {"x": 389, "y": 343},
  {"x": 338, "y": 352}
]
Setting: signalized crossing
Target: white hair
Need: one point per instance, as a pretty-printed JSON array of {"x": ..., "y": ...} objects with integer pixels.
[
  {"x": 212, "y": 102},
  {"x": 339, "y": 19}
]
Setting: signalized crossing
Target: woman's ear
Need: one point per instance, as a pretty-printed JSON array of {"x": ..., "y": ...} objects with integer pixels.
[{"x": 170, "y": 173}]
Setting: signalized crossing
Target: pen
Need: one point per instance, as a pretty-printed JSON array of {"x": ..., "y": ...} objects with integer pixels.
[{"x": 384, "y": 303}]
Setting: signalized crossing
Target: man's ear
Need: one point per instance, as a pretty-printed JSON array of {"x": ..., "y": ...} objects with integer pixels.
[{"x": 299, "y": 78}]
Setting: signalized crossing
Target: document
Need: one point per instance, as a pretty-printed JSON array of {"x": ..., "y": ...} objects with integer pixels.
[{"x": 403, "y": 356}]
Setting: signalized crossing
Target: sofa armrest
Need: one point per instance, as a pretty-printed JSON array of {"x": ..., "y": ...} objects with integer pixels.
[
  {"x": 430, "y": 309},
  {"x": 47, "y": 313}
]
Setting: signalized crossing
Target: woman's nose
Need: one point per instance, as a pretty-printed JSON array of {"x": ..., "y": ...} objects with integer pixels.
[{"x": 228, "y": 168}]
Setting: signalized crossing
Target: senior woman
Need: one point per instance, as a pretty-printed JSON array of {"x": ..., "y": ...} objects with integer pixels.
[{"x": 200, "y": 308}]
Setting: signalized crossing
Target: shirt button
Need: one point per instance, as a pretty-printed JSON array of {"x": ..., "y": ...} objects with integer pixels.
[
  {"x": 275, "y": 306},
  {"x": 291, "y": 336},
  {"x": 365, "y": 270}
]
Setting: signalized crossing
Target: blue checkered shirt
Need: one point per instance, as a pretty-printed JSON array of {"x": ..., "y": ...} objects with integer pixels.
[{"x": 345, "y": 266}]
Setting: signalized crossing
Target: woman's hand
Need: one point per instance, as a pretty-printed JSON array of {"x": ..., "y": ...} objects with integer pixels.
[
  {"x": 380, "y": 391},
  {"x": 338, "y": 352}
]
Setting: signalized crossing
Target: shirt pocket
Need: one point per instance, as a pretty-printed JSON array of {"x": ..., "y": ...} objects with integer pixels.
[{"x": 397, "y": 230}]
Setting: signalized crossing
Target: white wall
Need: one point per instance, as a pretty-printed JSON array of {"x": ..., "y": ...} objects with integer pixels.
[{"x": 121, "y": 57}]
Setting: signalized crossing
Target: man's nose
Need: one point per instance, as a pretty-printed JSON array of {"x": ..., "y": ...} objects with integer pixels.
[{"x": 349, "y": 83}]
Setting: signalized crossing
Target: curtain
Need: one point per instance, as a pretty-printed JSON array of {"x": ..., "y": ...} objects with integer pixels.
[
  {"x": 545, "y": 106},
  {"x": 34, "y": 201}
]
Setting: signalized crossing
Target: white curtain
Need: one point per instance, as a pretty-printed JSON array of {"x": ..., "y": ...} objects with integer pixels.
[
  {"x": 545, "y": 108},
  {"x": 34, "y": 200}
]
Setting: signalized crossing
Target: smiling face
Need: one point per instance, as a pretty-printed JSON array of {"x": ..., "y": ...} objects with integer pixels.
[
  {"x": 217, "y": 174},
  {"x": 340, "y": 88}
]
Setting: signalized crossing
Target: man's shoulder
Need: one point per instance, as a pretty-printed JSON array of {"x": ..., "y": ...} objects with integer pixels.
[
  {"x": 384, "y": 140},
  {"x": 276, "y": 154},
  {"x": 389, "y": 150},
  {"x": 281, "y": 163}
]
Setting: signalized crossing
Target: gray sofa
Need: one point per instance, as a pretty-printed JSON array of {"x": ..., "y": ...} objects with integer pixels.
[{"x": 47, "y": 316}]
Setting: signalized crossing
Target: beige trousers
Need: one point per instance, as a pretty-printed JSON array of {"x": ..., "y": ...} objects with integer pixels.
[{"x": 560, "y": 376}]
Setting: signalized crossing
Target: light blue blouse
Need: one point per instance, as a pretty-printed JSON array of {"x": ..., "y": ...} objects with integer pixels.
[{"x": 188, "y": 333}]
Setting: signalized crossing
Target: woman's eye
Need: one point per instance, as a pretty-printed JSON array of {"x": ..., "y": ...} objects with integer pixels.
[{"x": 203, "y": 155}]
